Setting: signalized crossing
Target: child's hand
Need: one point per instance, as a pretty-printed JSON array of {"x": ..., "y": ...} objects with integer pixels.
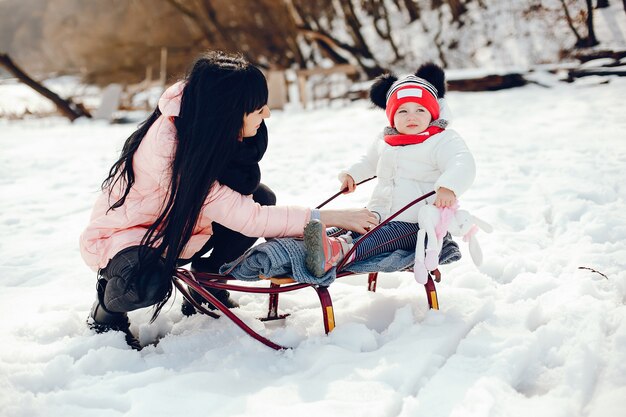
[
  {"x": 445, "y": 198},
  {"x": 348, "y": 182}
]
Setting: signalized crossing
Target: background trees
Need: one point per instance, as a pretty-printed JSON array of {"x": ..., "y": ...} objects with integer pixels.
[{"x": 122, "y": 40}]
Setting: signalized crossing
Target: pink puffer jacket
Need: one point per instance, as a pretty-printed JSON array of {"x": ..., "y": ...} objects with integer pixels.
[{"x": 108, "y": 233}]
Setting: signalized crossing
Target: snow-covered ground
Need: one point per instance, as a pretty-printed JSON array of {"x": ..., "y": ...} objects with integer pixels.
[{"x": 529, "y": 333}]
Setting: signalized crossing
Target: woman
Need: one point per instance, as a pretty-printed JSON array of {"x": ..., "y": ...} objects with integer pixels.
[{"x": 162, "y": 195}]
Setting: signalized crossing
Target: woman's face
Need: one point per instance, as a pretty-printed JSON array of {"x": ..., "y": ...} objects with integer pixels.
[{"x": 252, "y": 121}]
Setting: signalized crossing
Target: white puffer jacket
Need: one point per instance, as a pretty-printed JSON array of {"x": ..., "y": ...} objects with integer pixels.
[{"x": 407, "y": 172}]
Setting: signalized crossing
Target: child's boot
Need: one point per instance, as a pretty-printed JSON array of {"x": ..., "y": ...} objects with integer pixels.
[{"x": 323, "y": 252}]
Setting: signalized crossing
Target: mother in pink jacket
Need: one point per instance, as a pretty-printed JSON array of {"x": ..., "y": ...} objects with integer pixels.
[{"x": 162, "y": 195}]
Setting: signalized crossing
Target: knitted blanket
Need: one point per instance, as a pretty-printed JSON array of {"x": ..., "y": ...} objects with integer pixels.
[{"x": 285, "y": 257}]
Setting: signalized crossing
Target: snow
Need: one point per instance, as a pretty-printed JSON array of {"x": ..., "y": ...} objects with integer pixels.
[{"x": 528, "y": 333}]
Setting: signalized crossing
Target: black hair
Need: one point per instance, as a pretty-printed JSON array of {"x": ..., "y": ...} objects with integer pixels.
[{"x": 219, "y": 90}]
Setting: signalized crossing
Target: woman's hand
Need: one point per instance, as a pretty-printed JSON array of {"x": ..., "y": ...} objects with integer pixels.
[
  {"x": 347, "y": 182},
  {"x": 445, "y": 198},
  {"x": 358, "y": 220}
]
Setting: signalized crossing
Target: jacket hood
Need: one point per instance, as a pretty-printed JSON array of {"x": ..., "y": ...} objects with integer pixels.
[
  {"x": 444, "y": 111},
  {"x": 169, "y": 103}
]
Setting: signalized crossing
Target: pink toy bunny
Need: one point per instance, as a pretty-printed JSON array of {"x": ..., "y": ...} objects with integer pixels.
[{"x": 434, "y": 224}]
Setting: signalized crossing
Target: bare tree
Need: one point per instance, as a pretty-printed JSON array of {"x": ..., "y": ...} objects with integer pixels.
[
  {"x": 590, "y": 39},
  {"x": 316, "y": 23},
  {"x": 437, "y": 40},
  {"x": 570, "y": 23}
]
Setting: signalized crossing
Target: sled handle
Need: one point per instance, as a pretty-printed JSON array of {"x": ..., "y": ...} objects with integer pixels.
[{"x": 341, "y": 192}]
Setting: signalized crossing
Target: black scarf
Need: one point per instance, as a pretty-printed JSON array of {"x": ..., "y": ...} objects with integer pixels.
[{"x": 242, "y": 173}]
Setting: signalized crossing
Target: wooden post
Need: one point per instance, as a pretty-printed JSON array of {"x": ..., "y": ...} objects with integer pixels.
[
  {"x": 302, "y": 89},
  {"x": 277, "y": 86},
  {"x": 163, "y": 73},
  {"x": 148, "y": 79},
  {"x": 66, "y": 107}
]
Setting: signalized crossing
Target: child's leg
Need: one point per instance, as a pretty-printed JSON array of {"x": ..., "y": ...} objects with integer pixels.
[
  {"x": 323, "y": 252},
  {"x": 325, "y": 249},
  {"x": 390, "y": 237}
]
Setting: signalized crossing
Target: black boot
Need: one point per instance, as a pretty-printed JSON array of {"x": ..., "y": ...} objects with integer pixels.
[
  {"x": 101, "y": 320},
  {"x": 222, "y": 295}
]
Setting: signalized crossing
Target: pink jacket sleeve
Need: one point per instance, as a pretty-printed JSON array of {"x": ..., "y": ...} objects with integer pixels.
[{"x": 244, "y": 215}]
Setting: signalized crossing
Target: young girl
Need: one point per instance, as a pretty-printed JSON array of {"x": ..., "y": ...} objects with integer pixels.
[
  {"x": 162, "y": 195},
  {"x": 415, "y": 155}
]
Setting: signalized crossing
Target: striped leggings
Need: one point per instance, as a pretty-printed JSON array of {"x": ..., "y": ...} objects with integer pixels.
[{"x": 390, "y": 237}]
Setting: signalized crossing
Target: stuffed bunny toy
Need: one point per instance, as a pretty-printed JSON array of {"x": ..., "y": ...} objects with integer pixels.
[{"x": 434, "y": 224}]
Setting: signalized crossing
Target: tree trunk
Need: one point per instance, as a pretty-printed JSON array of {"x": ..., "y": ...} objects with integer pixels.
[
  {"x": 68, "y": 109},
  {"x": 414, "y": 11},
  {"x": 458, "y": 9},
  {"x": 591, "y": 37},
  {"x": 437, "y": 40}
]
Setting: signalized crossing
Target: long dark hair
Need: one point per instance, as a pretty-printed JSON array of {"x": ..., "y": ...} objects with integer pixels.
[{"x": 219, "y": 90}]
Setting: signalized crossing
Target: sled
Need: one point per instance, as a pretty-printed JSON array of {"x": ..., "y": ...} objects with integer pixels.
[{"x": 200, "y": 282}]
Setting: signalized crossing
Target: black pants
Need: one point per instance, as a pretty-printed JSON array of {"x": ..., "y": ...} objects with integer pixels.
[{"x": 125, "y": 284}]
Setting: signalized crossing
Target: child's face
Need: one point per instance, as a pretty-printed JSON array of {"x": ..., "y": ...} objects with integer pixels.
[
  {"x": 411, "y": 118},
  {"x": 252, "y": 121}
]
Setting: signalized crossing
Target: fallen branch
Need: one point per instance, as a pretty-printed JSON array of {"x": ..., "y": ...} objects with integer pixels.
[
  {"x": 593, "y": 270},
  {"x": 578, "y": 73},
  {"x": 487, "y": 83},
  {"x": 588, "y": 55},
  {"x": 66, "y": 107}
]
